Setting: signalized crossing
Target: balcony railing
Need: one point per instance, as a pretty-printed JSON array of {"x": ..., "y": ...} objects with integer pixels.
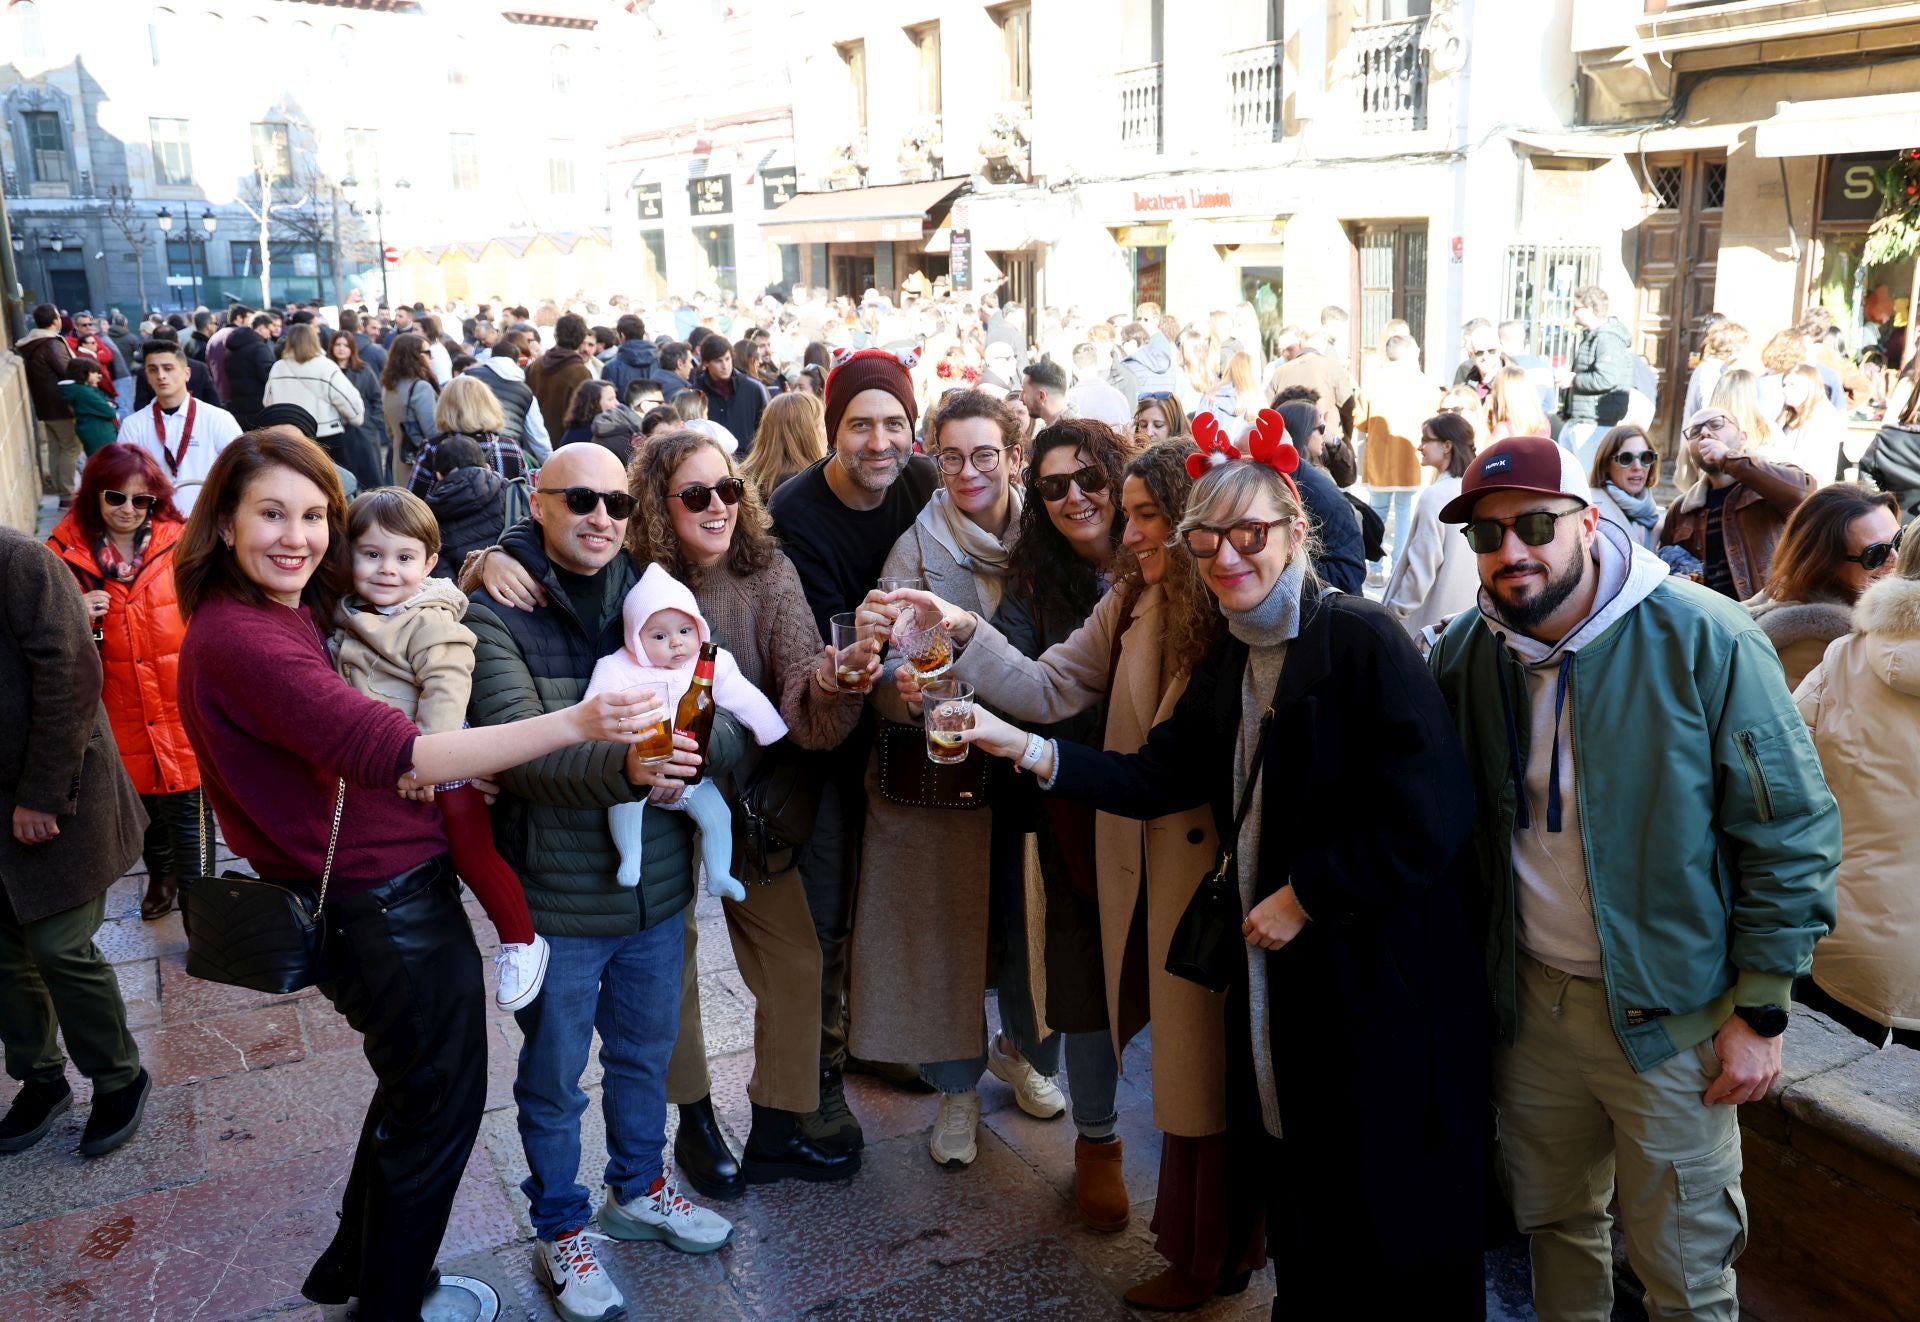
[
  {"x": 1253, "y": 90},
  {"x": 1139, "y": 91},
  {"x": 1391, "y": 73}
]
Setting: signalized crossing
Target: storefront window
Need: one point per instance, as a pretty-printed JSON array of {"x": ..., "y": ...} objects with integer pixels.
[
  {"x": 716, "y": 258},
  {"x": 653, "y": 261},
  {"x": 1260, "y": 286},
  {"x": 1149, "y": 275},
  {"x": 1852, "y": 293},
  {"x": 1393, "y": 279}
]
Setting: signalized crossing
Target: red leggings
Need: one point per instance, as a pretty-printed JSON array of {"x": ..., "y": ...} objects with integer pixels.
[{"x": 493, "y": 883}]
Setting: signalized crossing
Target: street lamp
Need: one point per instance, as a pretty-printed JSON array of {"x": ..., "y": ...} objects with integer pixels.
[{"x": 380, "y": 231}]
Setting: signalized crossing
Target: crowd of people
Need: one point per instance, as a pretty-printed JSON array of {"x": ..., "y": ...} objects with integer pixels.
[{"x": 916, "y": 633}]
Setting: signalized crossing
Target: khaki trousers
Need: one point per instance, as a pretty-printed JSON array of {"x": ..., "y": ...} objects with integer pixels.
[
  {"x": 779, "y": 958},
  {"x": 1578, "y": 1126},
  {"x": 64, "y": 454}
]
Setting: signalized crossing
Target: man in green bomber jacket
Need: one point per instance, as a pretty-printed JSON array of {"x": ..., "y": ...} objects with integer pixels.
[
  {"x": 615, "y": 951},
  {"x": 1658, "y": 847}
]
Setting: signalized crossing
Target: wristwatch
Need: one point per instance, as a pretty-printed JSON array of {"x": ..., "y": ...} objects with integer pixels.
[{"x": 1766, "y": 1020}]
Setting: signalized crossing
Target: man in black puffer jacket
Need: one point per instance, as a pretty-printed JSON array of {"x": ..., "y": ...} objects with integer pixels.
[
  {"x": 249, "y": 360},
  {"x": 616, "y": 951},
  {"x": 468, "y": 501}
]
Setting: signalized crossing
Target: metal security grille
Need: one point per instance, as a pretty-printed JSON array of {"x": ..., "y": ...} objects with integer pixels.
[
  {"x": 1713, "y": 186},
  {"x": 1665, "y": 183},
  {"x": 1541, "y": 278}
]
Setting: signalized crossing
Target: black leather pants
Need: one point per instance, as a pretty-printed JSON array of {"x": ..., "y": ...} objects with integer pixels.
[
  {"x": 406, "y": 974},
  {"x": 172, "y": 844}
]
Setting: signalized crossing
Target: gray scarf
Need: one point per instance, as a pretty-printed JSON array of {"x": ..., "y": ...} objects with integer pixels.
[
  {"x": 1277, "y": 618},
  {"x": 1639, "y": 508}
]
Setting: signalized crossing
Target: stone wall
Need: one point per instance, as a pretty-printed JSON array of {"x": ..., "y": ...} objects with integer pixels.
[
  {"x": 1833, "y": 1182},
  {"x": 19, "y": 461}
]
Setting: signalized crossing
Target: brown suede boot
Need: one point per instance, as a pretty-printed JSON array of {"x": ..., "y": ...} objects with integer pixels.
[
  {"x": 1099, "y": 1191},
  {"x": 1172, "y": 1291}
]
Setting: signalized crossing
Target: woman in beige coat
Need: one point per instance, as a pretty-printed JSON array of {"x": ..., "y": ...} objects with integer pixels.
[
  {"x": 1136, "y": 651},
  {"x": 1862, "y": 704},
  {"x": 941, "y": 887}
]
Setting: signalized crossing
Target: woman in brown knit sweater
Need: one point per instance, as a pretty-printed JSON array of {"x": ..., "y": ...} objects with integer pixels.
[{"x": 751, "y": 597}]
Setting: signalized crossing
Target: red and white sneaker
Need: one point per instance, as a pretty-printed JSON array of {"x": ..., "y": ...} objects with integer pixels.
[
  {"x": 582, "y": 1291},
  {"x": 665, "y": 1215}
]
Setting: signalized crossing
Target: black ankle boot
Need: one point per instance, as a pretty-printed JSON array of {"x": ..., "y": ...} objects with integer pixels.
[
  {"x": 35, "y": 1107},
  {"x": 115, "y": 1116},
  {"x": 701, "y": 1154},
  {"x": 779, "y": 1149}
]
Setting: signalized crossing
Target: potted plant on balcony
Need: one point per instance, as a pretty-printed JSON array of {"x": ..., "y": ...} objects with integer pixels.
[
  {"x": 1006, "y": 146},
  {"x": 922, "y": 152},
  {"x": 848, "y": 165}
]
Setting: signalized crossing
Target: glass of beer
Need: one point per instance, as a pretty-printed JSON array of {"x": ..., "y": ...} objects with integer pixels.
[
  {"x": 947, "y": 709},
  {"x": 656, "y": 744},
  {"x": 849, "y": 657},
  {"x": 929, "y": 651}
]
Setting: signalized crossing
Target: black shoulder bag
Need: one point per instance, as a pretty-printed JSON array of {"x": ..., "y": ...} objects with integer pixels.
[
  {"x": 1207, "y": 945},
  {"x": 774, "y": 813},
  {"x": 257, "y": 934}
]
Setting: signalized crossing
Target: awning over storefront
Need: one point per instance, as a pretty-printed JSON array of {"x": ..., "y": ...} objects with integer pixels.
[
  {"x": 890, "y": 213},
  {"x": 1888, "y": 122},
  {"x": 1604, "y": 145}
]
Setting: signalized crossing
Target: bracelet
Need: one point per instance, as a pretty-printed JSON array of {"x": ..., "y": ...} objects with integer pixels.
[
  {"x": 826, "y": 685},
  {"x": 1036, "y": 749}
]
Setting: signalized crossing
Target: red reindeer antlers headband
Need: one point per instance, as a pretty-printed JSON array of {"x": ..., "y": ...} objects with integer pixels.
[{"x": 1267, "y": 443}]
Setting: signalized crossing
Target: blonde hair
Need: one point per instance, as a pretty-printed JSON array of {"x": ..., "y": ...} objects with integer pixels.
[
  {"x": 792, "y": 434},
  {"x": 467, "y": 405},
  {"x": 1795, "y": 418},
  {"x": 1514, "y": 401},
  {"x": 1727, "y": 341},
  {"x": 1908, "y": 565},
  {"x": 1784, "y": 352},
  {"x": 1737, "y": 394},
  {"x": 1226, "y": 492},
  {"x": 1246, "y": 390},
  {"x": 303, "y": 343}
]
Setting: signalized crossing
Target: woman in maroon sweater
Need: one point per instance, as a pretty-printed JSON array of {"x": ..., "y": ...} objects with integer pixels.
[{"x": 260, "y": 568}]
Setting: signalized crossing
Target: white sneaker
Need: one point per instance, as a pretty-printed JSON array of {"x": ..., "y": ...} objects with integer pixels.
[
  {"x": 522, "y": 968},
  {"x": 666, "y": 1216},
  {"x": 582, "y": 1291},
  {"x": 1036, "y": 1094},
  {"x": 950, "y": 1141}
]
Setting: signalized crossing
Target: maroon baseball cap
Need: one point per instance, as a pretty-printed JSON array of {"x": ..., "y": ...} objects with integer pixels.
[{"x": 1519, "y": 463}]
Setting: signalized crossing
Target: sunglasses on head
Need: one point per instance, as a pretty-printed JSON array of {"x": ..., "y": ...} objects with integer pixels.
[
  {"x": 581, "y": 500},
  {"x": 1630, "y": 459},
  {"x": 141, "y": 501},
  {"x": 1536, "y": 528},
  {"x": 698, "y": 498},
  {"x": 1248, "y": 537},
  {"x": 1053, "y": 486}
]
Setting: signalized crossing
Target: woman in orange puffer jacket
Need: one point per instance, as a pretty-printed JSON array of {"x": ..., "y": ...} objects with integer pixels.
[{"x": 118, "y": 540}]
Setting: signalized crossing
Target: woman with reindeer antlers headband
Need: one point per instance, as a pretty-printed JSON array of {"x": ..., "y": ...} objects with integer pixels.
[{"x": 1357, "y": 1050}]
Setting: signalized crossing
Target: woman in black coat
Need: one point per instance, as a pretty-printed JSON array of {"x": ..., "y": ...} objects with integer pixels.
[{"x": 1357, "y": 1026}]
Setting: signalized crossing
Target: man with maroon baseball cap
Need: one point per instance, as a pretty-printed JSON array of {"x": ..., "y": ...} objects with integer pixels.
[
  {"x": 837, "y": 520},
  {"x": 1660, "y": 854}
]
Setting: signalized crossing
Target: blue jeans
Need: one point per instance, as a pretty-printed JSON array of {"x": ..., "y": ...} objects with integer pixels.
[
  {"x": 1395, "y": 508},
  {"x": 628, "y": 987},
  {"x": 123, "y": 396}
]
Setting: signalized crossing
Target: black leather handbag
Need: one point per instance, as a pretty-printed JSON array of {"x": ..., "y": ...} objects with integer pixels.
[
  {"x": 1207, "y": 945},
  {"x": 911, "y": 779},
  {"x": 773, "y": 815},
  {"x": 1892, "y": 463},
  {"x": 257, "y": 934}
]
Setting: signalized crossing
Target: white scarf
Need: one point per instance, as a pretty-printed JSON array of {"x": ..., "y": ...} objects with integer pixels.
[{"x": 972, "y": 547}]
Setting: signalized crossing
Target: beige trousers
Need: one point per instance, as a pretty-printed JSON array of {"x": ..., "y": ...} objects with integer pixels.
[
  {"x": 779, "y": 958},
  {"x": 65, "y": 453},
  {"x": 1577, "y": 1126}
]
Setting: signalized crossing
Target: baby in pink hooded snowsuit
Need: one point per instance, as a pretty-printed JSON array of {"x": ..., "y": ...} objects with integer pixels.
[{"x": 664, "y": 631}]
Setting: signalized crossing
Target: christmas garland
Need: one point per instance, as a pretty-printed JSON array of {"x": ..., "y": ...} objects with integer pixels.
[{"x": 1896, "y": 231}]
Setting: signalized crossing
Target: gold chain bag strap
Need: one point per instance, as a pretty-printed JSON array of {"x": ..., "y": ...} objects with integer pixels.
[{"x": 258, "y": 934}]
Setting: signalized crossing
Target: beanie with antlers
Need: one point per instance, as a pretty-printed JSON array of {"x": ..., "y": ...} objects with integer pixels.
[{"x": 869, "y": 369}]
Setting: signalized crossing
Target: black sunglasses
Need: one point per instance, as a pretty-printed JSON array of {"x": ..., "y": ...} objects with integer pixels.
[
  {"x": 1627, "y": 458},
  {"x": 698, "y": 499},
  {"x": 1053, "y": 486},
  {"x": 1249, "y": 537},
  {"x": 142, "y": 501},
  {"x": 1872, "y": 557},
  {"x": 1535, "y": 528},
  {"x": 581, "y": 500}
]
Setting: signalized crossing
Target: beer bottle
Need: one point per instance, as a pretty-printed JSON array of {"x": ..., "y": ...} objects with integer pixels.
[{"x": 695, "y": 717}]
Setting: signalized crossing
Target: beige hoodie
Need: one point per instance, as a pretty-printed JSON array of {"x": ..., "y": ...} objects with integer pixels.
[{"x": 416, "y": 656}]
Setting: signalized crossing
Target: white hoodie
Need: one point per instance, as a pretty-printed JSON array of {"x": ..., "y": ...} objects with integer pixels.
[{"x": 1555, "y": 909}]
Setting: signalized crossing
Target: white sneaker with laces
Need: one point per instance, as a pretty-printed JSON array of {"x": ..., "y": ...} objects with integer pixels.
[
  {"x": 663, "y": 1214},
  {"x": 582, "y": 1291},
  {"x": 522, "y": 969},
  {"x": 1036, "y": 1094},
  {"x": 951, "y": 1140}
]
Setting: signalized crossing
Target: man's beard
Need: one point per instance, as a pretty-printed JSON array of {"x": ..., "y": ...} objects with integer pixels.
[
  {"x": 862, "y": 473},
  {"x": 1528, "y": 615}
]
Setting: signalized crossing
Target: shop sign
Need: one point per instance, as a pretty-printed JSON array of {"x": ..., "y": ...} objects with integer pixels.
[
  {"x": 1851, "y": 193},
  {"x": 1176, "y": 197},
  {"x": 710, "y": 196},
  {"x": 652, "y": 205},
  {"x": 1193, "y": 200},
  {"x": 960, "y": 260},
  {"x": 777, "y": 187}
]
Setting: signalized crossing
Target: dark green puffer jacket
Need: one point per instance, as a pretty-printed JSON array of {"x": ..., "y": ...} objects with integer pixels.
[{"x": 551, "y": 822}]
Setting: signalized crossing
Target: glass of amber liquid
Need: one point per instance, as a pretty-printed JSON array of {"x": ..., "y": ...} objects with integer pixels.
[
  {"x": 656, "y": 744},
  {"x": 947, "y": 710},
  {"x": 849, "y": 656},
  {"x": 929, "y": 651}
]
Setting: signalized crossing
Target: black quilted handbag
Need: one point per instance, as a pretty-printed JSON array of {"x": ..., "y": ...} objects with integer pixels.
[
  {"x": 773, "y": 815},
  {"x": 257, "y": 934}
]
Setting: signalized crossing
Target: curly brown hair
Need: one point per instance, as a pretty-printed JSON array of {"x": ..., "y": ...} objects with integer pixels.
[
  {"x": 650, "y": 535},
  {"x": 1043, "y": 568},
  {"x": 1193, "y": 619}
]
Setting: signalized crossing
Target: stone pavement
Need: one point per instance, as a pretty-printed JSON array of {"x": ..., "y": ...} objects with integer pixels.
[{"x": 218, "y": 1206}]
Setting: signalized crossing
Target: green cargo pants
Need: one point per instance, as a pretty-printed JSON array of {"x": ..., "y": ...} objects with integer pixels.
[
  {"x": 1577, "y": 1126},
  {"x": 52, "y": 976}
]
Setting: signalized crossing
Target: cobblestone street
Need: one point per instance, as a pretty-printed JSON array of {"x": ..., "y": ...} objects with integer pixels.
[{"x": 218, "y": 1206}]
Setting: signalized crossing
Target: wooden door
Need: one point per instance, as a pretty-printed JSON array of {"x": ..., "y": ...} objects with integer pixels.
[{"x": 1678, "y": 252}]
